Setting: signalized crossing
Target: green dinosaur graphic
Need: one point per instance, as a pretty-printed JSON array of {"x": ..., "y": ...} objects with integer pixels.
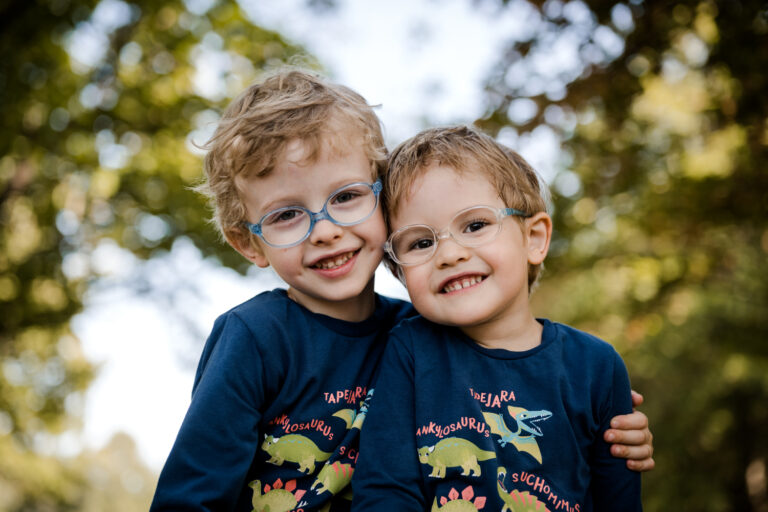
[
  {"x": 524, "y": 438},
  {"x": 455, "y": 506},
  {"x": 517, "y": 501},
  {"x": 294, "y": 448},
  {"x": 454, "y": 452},
  {"x": 353, "y": 418},
  {"x": 464, "y": 504},
  {"x": 275, "y": 498},
  {"x": 333, "y": 478}
]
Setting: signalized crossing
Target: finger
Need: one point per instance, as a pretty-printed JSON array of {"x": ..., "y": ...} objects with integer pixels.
[
  {"x": 637, "y": 399},
  {"x": 628, "y": 437},
  {"x": 635, "y": 421},
  {"x": 637, "y": 453},
  {"x": 641, "y": 465}
]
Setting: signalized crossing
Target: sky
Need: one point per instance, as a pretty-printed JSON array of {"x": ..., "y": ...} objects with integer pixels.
[{"x": 422, "y": 61}]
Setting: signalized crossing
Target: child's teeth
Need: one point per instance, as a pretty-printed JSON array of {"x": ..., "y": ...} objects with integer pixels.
[
  {"x": 460, "y": 284},
  {"x": 339, "y": 261}
]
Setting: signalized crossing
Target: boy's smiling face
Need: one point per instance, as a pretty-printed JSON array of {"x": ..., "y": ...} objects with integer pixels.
[
  {"x": 483, "y": 290},
  {"x": 331, "y": 272}
]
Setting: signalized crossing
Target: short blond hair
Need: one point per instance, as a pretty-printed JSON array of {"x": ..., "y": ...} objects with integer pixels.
[
  {"x": 458, "y": 147},
  {"x": 254, "y": 130}
]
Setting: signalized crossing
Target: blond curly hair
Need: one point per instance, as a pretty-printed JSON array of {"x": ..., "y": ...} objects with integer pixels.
[{"x": 289, "y": 105}]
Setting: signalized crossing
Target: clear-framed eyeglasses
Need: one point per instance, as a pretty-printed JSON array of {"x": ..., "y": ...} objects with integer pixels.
[
  {"x": 416, "y": 243},
  {"x": 291, "y": 225}
]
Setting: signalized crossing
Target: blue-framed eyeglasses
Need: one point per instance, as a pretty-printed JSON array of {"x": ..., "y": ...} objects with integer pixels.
[
  {"x": 291, "y": 225},
  {"x": 417, "y": 243}
]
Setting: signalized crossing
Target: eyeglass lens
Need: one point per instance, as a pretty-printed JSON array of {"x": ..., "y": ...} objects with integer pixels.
[
  {"x": 470, "y": 228},
  {"x": 347, "y": 206}
]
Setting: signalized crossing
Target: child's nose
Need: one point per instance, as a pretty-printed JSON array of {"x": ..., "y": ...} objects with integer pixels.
[
  {"x": 325, "y": 232},
  {"x": 449, "y": 253}
]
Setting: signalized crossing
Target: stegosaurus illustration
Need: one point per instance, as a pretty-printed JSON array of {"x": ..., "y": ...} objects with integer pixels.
[
  {"x": 455, "y": 504},
  {"x": 333, "y": 478},
  {"x": 276, "y": 498}
]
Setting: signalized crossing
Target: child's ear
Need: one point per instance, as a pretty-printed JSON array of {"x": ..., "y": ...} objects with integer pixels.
[
  {"x": 247, "y": 245},
  {"x": 538, "y": 231}
]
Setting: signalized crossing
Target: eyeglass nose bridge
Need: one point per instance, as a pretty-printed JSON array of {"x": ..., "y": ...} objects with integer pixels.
[
  {"x": 315, "y": 217},
  {"x": 443, "y": 235}
]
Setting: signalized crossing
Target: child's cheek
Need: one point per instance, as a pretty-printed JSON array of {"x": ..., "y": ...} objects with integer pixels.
[
  {"x": 416, "y": 281},
  {"x": 378, "y": 228}
]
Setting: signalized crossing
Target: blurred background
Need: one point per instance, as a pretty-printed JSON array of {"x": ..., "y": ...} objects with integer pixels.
[{"x": 649, "y": 120}]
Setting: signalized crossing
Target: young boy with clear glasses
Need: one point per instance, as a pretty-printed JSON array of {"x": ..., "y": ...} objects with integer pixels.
[
  {"x": 479, "y": 405},
  {"x": 282, "y": 387}
]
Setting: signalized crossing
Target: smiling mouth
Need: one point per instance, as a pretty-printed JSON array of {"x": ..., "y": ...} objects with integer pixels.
[
  {"x": 334, "y": 262},
  {"x": 461, "y": 283}
]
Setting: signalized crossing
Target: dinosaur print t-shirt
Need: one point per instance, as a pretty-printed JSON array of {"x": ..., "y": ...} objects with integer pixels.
[
  {"x": 278, "y": 400},
  {"x": 457, "y": 426}
]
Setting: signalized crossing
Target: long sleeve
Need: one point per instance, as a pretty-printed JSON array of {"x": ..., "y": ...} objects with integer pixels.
[
  {"x": 613, "y": 486},
  {"x": 219, "y": 436},
  {"x": 388, "y": 475}
]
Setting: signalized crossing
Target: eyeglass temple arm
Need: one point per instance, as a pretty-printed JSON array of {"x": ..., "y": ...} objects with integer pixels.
[{"x": 507, "y": 212}]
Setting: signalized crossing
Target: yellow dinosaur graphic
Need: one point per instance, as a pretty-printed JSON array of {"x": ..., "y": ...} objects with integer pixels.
[{"x": 524, "y": 437}]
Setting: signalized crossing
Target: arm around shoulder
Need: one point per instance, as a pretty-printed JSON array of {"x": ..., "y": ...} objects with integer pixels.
[
  {"x": 614, "y": 486},
  {"x": 631, "y": 438}
]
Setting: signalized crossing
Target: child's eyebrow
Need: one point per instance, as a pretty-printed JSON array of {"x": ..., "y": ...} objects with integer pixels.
[
  {"x": 295, "y": 200},
  {"x": 281, "y": 202}
]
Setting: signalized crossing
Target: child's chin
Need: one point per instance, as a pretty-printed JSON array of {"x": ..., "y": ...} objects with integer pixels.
[{"x": 440, "y": 318}]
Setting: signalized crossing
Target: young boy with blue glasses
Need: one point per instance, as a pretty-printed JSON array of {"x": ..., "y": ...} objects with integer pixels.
[
  {"x": 479, "y": 405},
  {"x": 284, "y": 379}
]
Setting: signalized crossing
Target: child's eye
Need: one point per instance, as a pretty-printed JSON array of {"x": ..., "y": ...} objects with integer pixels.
[
  {"x": 475, "y": 225},
  {"x": 285, "y": 216},
  {"x": 345, "y": 196},
  {"x": 421, "y": 244}
]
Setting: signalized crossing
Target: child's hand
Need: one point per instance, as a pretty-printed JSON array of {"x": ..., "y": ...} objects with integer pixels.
[{"x": 631, "y": 438}]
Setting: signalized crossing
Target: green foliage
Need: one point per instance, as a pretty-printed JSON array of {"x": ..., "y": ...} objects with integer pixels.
[
  {"x": 661, "y": 221},
  {"x": 116, "y": 478},
  {"x": 95, "y": 144},
  {"x": 661, "y": 224}
]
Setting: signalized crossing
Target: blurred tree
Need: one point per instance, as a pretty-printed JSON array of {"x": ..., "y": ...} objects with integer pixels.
[
  {"x": 117, "y": 479},
  {"x": 660, "y": 208},
  {"x": 102, "y": 103},
  {"x": 661, "y": 217}
]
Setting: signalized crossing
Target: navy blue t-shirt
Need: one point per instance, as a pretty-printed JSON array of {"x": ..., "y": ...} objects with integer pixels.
[
  {"x": 453, "y": 421},
  {"x": 277, "y": 404}
]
